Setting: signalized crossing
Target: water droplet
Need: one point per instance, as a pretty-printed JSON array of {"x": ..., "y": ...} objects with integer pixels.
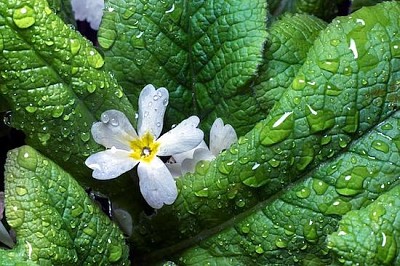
[
  {"x": 75, "y": 46},
  {"x": 165, "y": 102},
  {"x": 277, "y": 129},
  {"x": 30, "y": 108},
  {"x": 137, "y": 41},
  {"x": 89, "y": 231},
  {"x": 105, "y": 118},
  {"x": 274, "y": 163},
  {"x": 387, "y": 250},
  {"x": 326, "y": 140},
  {"x": 332, "y": 90},
  {"x": 240, "y": 203},
  {"x": 106, "y": 37},
  {"x": 114, "y": 122},
  {"x": 244, "y": 160},
  {"x": 380, "y": 146},
  {"x": 377, "y": 212},
  {"x": 155, "y": 97},
  {"x": 329, "y": 65},
  {"x": 352, "y": 120},
  {"x": 128, "y": 13},
  {"x": 95, "y": 59},
  {"x": 245, "y": 229},
  {"x": 225, "y": 168},
  {"x": 280, "y": 243},
  {"x": 21, "y": 191},
  {"x": 319, "y": 120},
  {"x": 259, "y": 250},
  {"x": 202, "y": 193},
  {"x": 303, "y": 193},
  {"x": 319, "y": 186},
  {"x": 395, "y": 48},
  {"x": 85, "y": 136},
  {"x": 335, "y": 42},
  {"x": 305, "y": 158},
  {"x": 299, "y": 83},
  {"x": 24, "y": 17},
  {"x": 387, "y": 127},
  {"x": 350, "y": 183},
  {"x": 115, "y": 252},
  {"x": 310, "y": 232},
  {"x": 337, "y": 206},
  {"x": 57, "y": 111},
  {"x": 76, "y": 210}
]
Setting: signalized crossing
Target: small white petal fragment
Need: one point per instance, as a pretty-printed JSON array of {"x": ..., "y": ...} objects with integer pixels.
[
  {"x": 221, "y": 136},
  {"x": 110, "y": 163},
  {"x": 89, "y": 10},
  {"x": 157, "y": 184},
  {"x": 185, "y": 136},
  {"x": 152, "y": 106},
  {"x": 282, "y": 119},
  {"x": 353, "y": 48},
  {"x": 115, "y": 130}
]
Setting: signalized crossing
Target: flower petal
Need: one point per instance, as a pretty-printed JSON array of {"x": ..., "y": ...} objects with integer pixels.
[
  {"x": 114, "y": 130},
  {"x": 221, "y": 137},
  {"x": 189, "y": 165},
  {"x": 175, "y": 169},
  {"x": 152, "y": 105},
  {"x": 156, "y": 183},
  {"x": 179, "y": 157},
  {"x": 110, "y": 164},
  {"x": 184, "y": 137}
]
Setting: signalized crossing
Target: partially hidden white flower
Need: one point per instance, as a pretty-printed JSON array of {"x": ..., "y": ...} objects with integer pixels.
[
  {"x": 126, "y": 148},
  {"x": 5, "y": 237},
  {"x": 89, "y": 10},
  {"x": 221, "y": 138}
]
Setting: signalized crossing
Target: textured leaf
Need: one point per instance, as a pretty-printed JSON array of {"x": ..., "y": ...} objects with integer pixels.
[
  {"x": 320, "y": 8},
  {"x": 54, "y": 82},
  {"x": 63, "y": 9},
  {"x": 335, "y": 98},
  {"x": 370, "y": 236},
  {"x": 204, "y": 52},
  {"x": 290, "y": 39},
  {"x": 55, "y": 221},
  {"x": 291, "y": 227}
]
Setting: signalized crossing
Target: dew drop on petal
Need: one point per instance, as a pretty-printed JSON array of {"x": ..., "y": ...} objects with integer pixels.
[
  {"x": 105, "y": 118},
  {"x": 114, "y": 122},
  {"x": 165, "y": 102}
]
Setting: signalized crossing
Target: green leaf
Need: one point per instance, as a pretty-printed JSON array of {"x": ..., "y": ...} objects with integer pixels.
[
  {"x": 55, "y": 84},
  {"x": 370, "y": 236},
  {"x": 286, "y": 50},
  {"x": 335, "y": 108},
  {"x": 205, "y": 53},
  {"x": 63, "y": 9},
  {"x": 55, "y": 221},
  {"x": 326, "y": 10}
]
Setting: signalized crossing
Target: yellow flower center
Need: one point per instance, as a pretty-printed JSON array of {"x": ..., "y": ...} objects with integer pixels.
[{"x": 144, "y": 148}]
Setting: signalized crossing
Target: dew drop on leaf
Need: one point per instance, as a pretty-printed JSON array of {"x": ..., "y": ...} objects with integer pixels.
[
  {"x": 21, "y": 190},
  {"x": 319, "y": 186},
  {"x": 310, "y": 231},
  {"x": 75, "y": 46},
  {"x": 380, "y": 146},
  {"x": 387, "y": 250},
  {"x": 303, "y": 193},
  {"x": 95, "y": 59},
  {"x": 329, "y": 65},
  {"x": 24, "y": 17},
  {"x": 137, "y": 41},
  {"x": 277, "y": 129}
]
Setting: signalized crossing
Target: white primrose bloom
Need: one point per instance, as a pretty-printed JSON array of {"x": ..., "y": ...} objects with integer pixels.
[
  {"x": 221, "y": 138},
  {"x": 89, "y": 10},
  {"x": 126, "y": 148},
  {"x": 5, "y": 237}
]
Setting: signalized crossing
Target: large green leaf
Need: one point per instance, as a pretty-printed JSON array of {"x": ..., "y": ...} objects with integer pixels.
[
  {"x": 55, "y": 221},
  {"x": 320, "y": 8},
  {"x": 204, "y": 52},
  {"x": 286, "y": 50},
  {"x": 347, "y": 85},
  {"x": 292, "y": 226},
  {"x": 370, "y": 236},
  {"x": 55, "y": 84}
]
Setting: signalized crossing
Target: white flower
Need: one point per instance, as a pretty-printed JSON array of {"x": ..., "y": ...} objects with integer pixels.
[
  {"x": 126, "y": 148},
  {"x": 221, "y": 138},
  {"x": 5, "y": 237},
  {"x": 89, "y": 10}
]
